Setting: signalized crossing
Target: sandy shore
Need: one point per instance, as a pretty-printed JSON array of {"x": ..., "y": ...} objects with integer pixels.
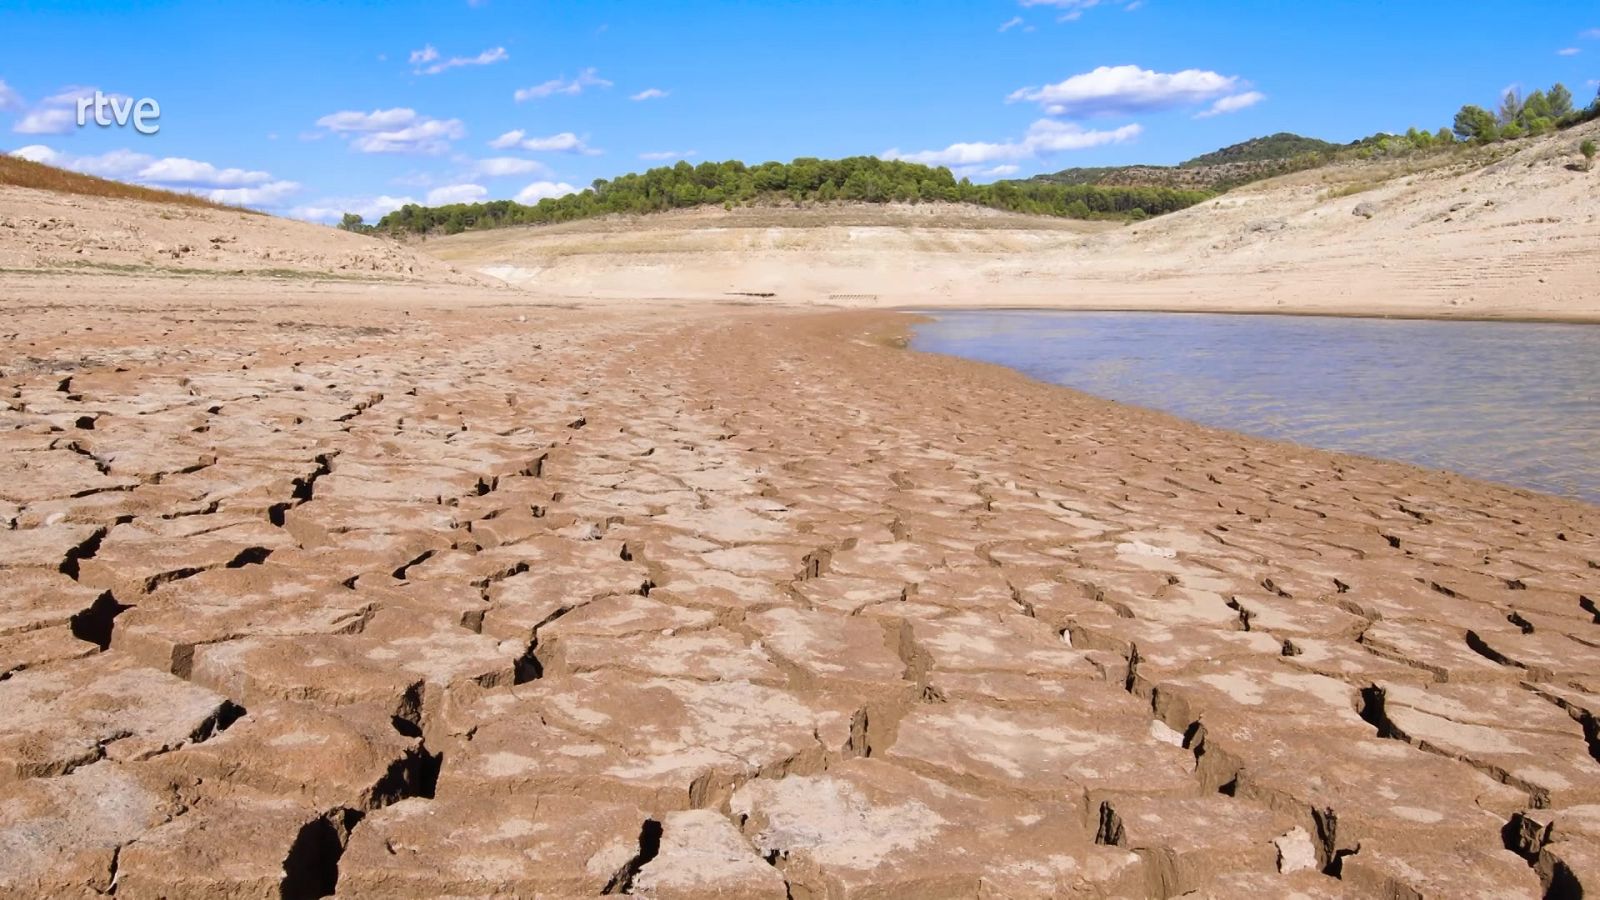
[{"x": 402, "y": 595}]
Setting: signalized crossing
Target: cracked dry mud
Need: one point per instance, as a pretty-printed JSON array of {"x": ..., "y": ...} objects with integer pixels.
[{"x": 329, "y": 597}]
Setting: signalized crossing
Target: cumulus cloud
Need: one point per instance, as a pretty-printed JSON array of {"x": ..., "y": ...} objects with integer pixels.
[
  {"x": 501, "y": 166},
  {"x": 377, "y": 120},
  {"x": 427, "y": 62},
  {"x": 1111, "y": 90},
  {"x": 508, "y": 140},
  {"x": 658, "y": 155},
  {"x": 565, "y": 142},
  {"x": 58, "y": 113},
  {"x": 1232, "y": 103},
  {"x": 175, "y": 170},
  {"x": 457, "y": 193},
  {"x": 429, "y": 137},
  {"x": 270, "y": 194},
  {"x": 1044, "y": 138},
  {"x": 649, "y": 94},
  {"x": 1568, "y": 51},
  {"x": 588, "y": 78},
  {"x": 221, "y": 185},
  {"x": 539, "y": 190},
  {"x": 397, "y": 130},
  {"x": 9, "y": 99}
]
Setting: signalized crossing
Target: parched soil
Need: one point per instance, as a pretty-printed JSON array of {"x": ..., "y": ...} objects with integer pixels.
[{"x": 306, "y": 593}]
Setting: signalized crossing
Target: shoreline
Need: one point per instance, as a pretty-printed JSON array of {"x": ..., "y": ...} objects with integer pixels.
[{"x": 1520, "y": 318}]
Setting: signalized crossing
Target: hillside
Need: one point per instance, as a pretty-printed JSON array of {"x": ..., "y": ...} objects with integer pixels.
[
  {"x": 729, "y": 184},
  {"x": 18, "y": 172},
  {"x": 65, "y": 223},
  {"x": 1504, "y": 230},
  {"x": 1215, "y": 172}
]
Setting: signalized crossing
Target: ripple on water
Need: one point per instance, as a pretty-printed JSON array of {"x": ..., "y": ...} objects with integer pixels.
[{"x": 1512, "y": 402}]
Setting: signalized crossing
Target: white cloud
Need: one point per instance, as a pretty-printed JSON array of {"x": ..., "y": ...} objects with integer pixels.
[
  {"x": 47, "y": 121},
  {"x": 377, "y": 120},
  {"x": 9, "y": 99},
  {"x": 659, "y": 155},
  {"x": 1592, "y": 34},
  {"x": 457, "y": 193},
  {"x": 332, "y": 209},
  {"x": 429, "y": 137},
  {"x": 649, "y": 94},
  {"x": 564, "y": 143},
  {"x": 176, "y": 170},
  {"x": 58, "y": 113},
  {"x": 501, "y": 166},
  {"x": 993, "y": 172},
  {"x": 1074, "y": 9},
  {"x": 539, "y": 190},
  {"x": 1010, "y": 23},
  {"x": 269, "y": 194},
  {"x": 486, "y": 58},
  {"x": 508, "y": 140},
  {"x": 1127, "y": 89},
  {"x": 1232, "y": 103},
  {"x": 1044, "y": 138},
  {"x": 586, "y": 79},
  {"x": 397, "y": 130},
  {"x": 1568, "y": 51},
  {"x": 38, "y": 153}
]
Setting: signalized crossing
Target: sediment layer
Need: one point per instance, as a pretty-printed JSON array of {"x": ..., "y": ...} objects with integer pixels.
[{"x": 304, "y": 594}]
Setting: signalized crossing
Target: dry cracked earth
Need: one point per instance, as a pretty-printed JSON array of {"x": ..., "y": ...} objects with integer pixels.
[{"x": 325, "y": 598}]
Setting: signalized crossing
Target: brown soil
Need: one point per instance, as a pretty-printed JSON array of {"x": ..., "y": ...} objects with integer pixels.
[{"x": 438, "y": 596}]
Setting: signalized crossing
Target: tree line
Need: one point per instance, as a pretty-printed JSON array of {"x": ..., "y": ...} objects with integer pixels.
[
  {"x": 861, "y": 179},
  {"x": 1520, "y": 116}
]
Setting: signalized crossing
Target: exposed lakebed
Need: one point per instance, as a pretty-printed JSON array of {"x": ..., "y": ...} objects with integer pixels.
[{"x": 1517, "y": 403}]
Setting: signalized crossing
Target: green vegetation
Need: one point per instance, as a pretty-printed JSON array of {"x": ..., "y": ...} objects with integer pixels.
[
  {"x": 1273, "y": 148},
  {"x": 862, "y": 179},
  {"x": 1587, "y": 149},
  {"x": 1126, "y": 193},
  {"x": 1517, "y": 116}
]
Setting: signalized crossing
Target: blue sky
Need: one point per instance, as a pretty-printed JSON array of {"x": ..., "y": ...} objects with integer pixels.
[{"x": 308, "y": 109}]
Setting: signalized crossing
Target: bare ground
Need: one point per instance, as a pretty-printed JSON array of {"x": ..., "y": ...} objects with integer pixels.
[
  {"x": 403, "y": 586},
  {"x": 1504, "y": 232}
]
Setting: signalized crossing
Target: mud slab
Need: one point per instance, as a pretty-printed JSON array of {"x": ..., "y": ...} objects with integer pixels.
[{"x": 304, "y": 594}]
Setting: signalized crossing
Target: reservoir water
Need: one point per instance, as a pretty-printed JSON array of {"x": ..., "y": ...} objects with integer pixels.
[{"x": 1516, "y": 403}]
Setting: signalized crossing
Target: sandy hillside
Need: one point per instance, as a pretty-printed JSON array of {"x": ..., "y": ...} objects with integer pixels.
[
  {"x": 45, "y": 234},
  {"x": 1508, "y": 231}
]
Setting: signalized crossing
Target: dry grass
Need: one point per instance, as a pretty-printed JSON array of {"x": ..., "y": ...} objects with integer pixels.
[{"x": 23, "y": 173}]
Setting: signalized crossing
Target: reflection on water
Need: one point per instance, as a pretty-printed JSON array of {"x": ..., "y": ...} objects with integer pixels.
[{"x": 1512, "y": 402}]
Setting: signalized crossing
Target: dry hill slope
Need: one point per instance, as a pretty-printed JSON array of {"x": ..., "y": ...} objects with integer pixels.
[
  {"x": 1505, "y": 232},
  {"x": 45, "y": 233}
]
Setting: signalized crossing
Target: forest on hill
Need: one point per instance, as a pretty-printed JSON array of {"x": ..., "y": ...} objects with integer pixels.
[
  {"x": 860, "y": 179},
  {"x": 1121, "y": 192}
]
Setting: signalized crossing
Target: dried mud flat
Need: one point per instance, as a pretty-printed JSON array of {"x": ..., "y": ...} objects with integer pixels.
[{"x": 303, "y": 595}]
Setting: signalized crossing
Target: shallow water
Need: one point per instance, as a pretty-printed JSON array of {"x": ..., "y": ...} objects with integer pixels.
[{"x": 1511, "y": 402}]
